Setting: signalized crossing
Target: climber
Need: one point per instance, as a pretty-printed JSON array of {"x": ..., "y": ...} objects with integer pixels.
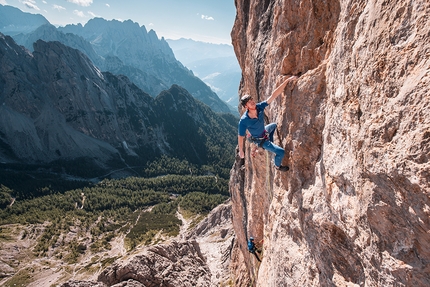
[
  {"x": 252, "y": 248},
  {"x": 253, "y": 121}
]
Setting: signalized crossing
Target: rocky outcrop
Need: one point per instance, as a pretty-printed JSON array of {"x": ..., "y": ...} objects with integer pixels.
[
  {"x": 215, "y": 237},
  {"x": 199, "y": 257},
  {"x": 354, "y": 208},
  {"x": 175, "y": 264}
]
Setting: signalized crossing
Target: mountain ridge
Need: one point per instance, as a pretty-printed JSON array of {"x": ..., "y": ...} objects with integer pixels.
[
  {"x": 154, "y": 56},
  {"x": 12, "y": 22},
  {"x": 70, "y": 109},
  {"x": 145, "y": 59}
]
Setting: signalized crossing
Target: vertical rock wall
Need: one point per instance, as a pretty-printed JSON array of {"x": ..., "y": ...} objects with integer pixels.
[{"x": 354, "y": 210}]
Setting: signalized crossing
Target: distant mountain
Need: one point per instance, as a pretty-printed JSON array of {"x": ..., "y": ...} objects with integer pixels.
[
  {"x": 48, "y": 32},
  {"x": 13, "y": 21},
  {"x": 143, "y": 79},
  {"x": 55, "y": 104},
  {"x": 215, "y": 64},
  {"x": 147, "y": 82},
  {"x": 188, "y": 50},
  {"x": 118, "y": 47},
  {"x": 137, "y": 48}
]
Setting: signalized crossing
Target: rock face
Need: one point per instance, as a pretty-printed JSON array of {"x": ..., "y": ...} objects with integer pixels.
[
  {"x": 354, "y": 208},
  {"x": 215, "y": 237}
]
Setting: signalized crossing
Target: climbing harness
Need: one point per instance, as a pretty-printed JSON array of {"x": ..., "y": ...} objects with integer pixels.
[{"x": 259, "y": 141}]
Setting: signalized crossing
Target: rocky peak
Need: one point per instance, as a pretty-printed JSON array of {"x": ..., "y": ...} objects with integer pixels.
[
  {"x": 353, "y": 209},
  {"x": 116, "y": 38},
  {"x": 50, "y": 33},
  {"x": 146, "y": 59}
]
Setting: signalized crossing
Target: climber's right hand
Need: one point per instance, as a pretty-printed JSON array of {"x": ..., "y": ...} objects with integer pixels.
[{"x": 241, "y": 154}]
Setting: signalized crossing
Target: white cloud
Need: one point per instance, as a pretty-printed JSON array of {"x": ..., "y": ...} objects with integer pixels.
[
  {"x": 205, "y": 17},
  {"x": 92, "y": 14},
  {"x": 84, "y": 3},
  {"x": 107, "y": 5},
  {"x": 44, "y": 2},
  {"x": 30, "y": 4},
  {"x": 79, "y": 13},
  {"x": 58, "y": 7},
  {"x": 3, "y": 2}
]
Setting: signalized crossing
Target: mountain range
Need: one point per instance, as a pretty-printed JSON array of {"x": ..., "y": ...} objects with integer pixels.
[
  {"x": 56, "y": 104},
  {"x": 108, "y": 93},
  {"x": 118, "y": 47}
]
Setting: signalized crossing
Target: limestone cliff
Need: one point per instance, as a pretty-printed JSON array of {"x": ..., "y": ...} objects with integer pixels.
[{"x": 354, "y": 208}]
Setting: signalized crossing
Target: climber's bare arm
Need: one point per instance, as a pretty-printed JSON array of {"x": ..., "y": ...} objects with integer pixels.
[
  {"x": 240, "y": 140},
  {"x": 279, "y": 89}
]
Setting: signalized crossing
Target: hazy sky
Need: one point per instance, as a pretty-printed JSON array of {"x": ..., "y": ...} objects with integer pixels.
[{"x": 200, "y": 20}]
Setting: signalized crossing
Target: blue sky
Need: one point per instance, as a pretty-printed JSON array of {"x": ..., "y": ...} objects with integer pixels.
[{"x": 201, "y": 20}]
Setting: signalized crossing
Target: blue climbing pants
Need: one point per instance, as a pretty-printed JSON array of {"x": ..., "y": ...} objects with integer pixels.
[{"x": 270, "y": 146}]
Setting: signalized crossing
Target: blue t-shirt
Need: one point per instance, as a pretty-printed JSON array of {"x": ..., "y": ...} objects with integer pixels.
[{"x": 254, "y": 126}]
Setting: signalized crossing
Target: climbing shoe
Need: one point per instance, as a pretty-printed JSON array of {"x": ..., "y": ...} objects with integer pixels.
[{"x": 282, "y": 167}]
